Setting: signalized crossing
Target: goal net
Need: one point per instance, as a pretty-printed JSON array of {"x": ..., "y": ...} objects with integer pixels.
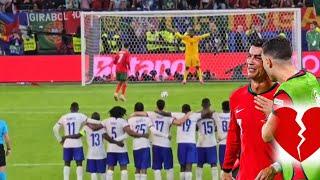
[{"x": 158, "y": 55}]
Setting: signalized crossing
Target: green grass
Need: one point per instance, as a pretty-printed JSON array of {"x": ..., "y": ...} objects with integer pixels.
[{"x": 32, "y": 111}]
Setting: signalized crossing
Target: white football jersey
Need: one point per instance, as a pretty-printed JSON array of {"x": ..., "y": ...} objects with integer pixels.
[
  {"x": 95, "y": 143},
  {"x": 223, "y": 126},
  {"x": 114, "y": 129},
  {"x": 207, "y": 131},
  {"x": 72, "y": 123},
  {"x": 140, "y": 125},
  {"x": 186, "y": 133},
  {"x": 161, "y": 124}
]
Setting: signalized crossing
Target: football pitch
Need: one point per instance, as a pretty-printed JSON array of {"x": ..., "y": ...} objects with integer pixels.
[{"x": 32, "y": 111}]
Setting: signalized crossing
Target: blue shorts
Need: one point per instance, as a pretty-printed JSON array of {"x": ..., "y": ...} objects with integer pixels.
[
  {"x": 222, "y": 151},
  {"x": 142, "y": 159},
  {"x": 96, "y": 165},
  {"x": 70, "y": 154},
  {"x": 187, "y": 153},
  {"x": 207, "y": 155},
  {"x": 162, "y": 155},
  {"x": 114, "y": 158}
]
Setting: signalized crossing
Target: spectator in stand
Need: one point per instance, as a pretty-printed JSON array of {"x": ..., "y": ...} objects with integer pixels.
[
  {"x": 85, "y": 4},
  {"x": 193, "y": 4},
  {"x": 240, "y": 39},
  {"x": 286, "y": 3},
  {"x": 65, "y": 46},
  {"x": 254, "y": 4},
  {"x": 182, "y": 5},
  {"x": 118, "y": 5},
  {"x": 137, "y": 5},
  {"x": 100, "y": 5},
  {"x": 219, "y": 4},
  {"x": 274, "y": 3},
  {"x": 265, "y": 3},
  {"x": 15, "y": 43},
  {"x": 206, "y": 4},
  {"x": 239, "y": 4},
  {"x": 168, "y": 4},
  {"x": 5, "y": 5},
  {"x": 299, "y": 3},
  {"x": 254, "y": 33},
  {"x": 73, "y": 4},
  {"x": 213, "y": 42},
  {"x": 313, "y": 37}
]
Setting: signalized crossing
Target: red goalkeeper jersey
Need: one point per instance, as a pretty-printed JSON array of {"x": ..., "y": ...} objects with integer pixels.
[
  {"x": 244, "y": 138},
  {"x": 122, "y": 61}
]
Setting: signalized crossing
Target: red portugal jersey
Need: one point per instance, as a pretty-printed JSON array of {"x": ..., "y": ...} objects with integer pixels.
[
  {"x": 244, "y": 138},
  {"x": 122, "y": 61}
]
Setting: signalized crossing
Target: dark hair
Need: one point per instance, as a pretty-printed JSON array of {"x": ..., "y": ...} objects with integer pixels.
[
  {"x": 206, "y": 103},
  {"x": 278, "y": 48},
  {"x": 186, "y": 108},
  {"x": 74, "y": 107},
  {"x": 225, "y": 106},
  {"x": 258, "y": 42},
  {"x": 95, "y": 116},
  {"x": 138, "y": 107},
  {"x": 117, "y": 112},
  {"x": 160, "y": 104}
]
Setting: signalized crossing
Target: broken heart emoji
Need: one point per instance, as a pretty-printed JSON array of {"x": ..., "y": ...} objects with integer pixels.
[{"x": 287, "y": 130}]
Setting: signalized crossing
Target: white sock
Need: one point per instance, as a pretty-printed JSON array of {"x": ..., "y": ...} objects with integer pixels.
[
  {"x": 124, "y": 175},
  {"x": 137, "y": 176},
  {"x": 157, "y": 175},
  {"x": 214, "y": 173},
  {"x": 188, "y": 175},
  {"x": 79, "y": 172},
  {"x": 199, "y": 173},
  {"x": 143, "y": 176},
  {"x": 170, "y": 175},
  {"x": 66, "y": 172},
  {"x": 94, "y": 176},
  {"x": 109, "y": 175},
  {"x": 182, "y": 175}
]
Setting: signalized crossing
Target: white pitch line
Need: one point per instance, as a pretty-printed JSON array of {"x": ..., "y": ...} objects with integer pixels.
[{"x": 35, "y": 164}]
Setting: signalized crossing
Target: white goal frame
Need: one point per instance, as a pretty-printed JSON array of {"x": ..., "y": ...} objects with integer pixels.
[{"x": 191, "y": 13}]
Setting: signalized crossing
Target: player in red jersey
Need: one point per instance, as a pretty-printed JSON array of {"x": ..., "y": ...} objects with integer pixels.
[
  {"x": 244, "y": 135},
  {"x": 122, "y": 61}
]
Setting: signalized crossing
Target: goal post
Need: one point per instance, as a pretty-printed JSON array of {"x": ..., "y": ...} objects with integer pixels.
[{"x": 158, "y": 55}]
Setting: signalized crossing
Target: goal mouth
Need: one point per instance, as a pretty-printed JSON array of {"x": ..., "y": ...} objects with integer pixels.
[{"x": 158, "y": 55}]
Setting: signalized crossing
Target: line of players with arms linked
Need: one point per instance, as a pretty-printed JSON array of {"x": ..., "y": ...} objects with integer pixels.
[{"x": 149, "y": 129}]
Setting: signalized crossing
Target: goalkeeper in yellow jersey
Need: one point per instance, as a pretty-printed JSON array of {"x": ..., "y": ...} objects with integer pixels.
[{"x": 192, "y": 52}]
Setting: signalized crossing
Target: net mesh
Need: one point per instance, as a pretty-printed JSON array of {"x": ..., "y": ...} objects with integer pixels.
[{"x": 158, "y": 55}]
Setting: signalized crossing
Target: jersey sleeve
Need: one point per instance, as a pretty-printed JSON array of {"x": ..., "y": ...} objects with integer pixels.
[
  {"x": 183, "y": 37},
  {"x": 177, "y": 115},
  {"x": 195, "y": 116},
  {"x": 233, "y": 142},
  {"x": 60, "y": 121},
  {"x": 216, "y": 120},
  {"x": 124, "y": 123},
  {"x": 204, "y": 36},
  {"x": 149, "y": 122},
  {"x": 282, "y": 99}
]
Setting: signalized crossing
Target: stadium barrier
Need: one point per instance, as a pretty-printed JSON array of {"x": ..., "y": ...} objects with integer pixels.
[{"x": 68, "y": 68}]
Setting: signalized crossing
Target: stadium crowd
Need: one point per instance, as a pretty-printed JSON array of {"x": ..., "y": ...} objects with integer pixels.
[{"x": 127, "y": 5}]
